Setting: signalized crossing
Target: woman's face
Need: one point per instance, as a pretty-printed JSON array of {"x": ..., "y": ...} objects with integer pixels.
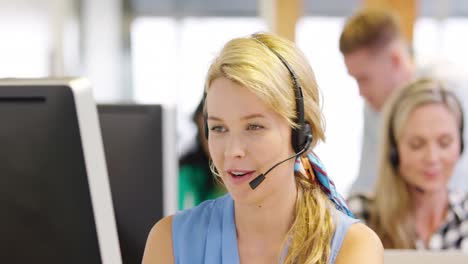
[
  {"x": 245, "y": 139},
  {"x": 429, "y": 147}
]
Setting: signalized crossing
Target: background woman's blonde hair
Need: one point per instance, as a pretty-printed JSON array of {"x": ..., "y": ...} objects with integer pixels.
[
  {"x": 251, "y": 63},
  {"x": 391, "y": 215}
]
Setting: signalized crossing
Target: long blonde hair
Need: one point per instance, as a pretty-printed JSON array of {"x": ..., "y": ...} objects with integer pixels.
[
  {"x": 391, "y": 214},
  {"x": 251, "y": 63}
]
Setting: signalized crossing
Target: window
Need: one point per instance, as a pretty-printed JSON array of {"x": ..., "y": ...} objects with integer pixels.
[{"x": 171, "y": 57}]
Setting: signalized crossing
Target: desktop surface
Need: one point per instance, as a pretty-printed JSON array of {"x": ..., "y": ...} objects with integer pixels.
[{"x": 426, "y": 257}]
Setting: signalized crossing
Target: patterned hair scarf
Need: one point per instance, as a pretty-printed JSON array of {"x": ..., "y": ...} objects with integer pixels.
[{"x": 315, "y": 171}]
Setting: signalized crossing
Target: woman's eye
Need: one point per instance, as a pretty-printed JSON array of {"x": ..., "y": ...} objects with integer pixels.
[
  {"x": 415, "y": 145},
  {"x": 218, "y": 129},
  {"x": 254, "y": 127},
  {"x": 445, "y": 142}
]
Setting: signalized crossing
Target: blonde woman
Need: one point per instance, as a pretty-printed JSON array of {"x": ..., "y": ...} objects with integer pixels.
[
  {"x": 422, "y": 141},
  {"x": 262, "y": 120}
]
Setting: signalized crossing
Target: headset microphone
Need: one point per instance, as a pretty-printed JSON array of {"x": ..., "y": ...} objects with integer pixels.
[{"x": 260, "y": 178}]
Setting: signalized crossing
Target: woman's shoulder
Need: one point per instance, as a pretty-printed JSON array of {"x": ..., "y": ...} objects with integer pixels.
[
  {"x": 458, "y": 201},
  {"x": 359, "y": 204},
  {"x": 361, "y": 245},
  {"x": 354, "y": 242},
  {"x": 360, "y": 197},
  {"x": 458, "y": 196},
  {"x": 184, "y": 226},
  {"x": 158, "y": 247}
]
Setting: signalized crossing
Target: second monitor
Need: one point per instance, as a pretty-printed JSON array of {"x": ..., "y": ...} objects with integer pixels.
[{"x": 140, "y": 147}]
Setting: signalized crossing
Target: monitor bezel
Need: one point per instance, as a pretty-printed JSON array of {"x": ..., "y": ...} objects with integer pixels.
[{"x": 93, "y": 152}]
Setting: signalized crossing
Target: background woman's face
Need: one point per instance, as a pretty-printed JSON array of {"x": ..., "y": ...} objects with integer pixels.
[
  {"x": 246, "y": 138},
  {"x": 429, "y": 147}
]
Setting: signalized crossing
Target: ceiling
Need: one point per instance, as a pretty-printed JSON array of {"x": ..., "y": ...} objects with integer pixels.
[{"x": 434, "y": 8}]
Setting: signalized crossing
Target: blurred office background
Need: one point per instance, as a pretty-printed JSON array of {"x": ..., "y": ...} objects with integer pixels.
[{"x": 158, "y": 51}]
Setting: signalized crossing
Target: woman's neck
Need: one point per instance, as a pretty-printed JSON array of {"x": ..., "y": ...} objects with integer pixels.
[
  {"x": 430, "y": 212},
  {"x": 269, "y": 221}
]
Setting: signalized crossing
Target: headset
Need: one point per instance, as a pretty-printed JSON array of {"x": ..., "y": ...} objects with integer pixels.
[
  {"x": 444, "y": 93},
  {"x": 302, "y": 134}
]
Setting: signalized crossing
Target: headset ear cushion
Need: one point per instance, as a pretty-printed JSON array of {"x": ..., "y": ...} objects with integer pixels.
[
  {"x": 462, "y": 143},
  {"x": 205, "y": 125},
  {"x": 301, "y": 136},
  {"x": 294, "y": 140},
  {"x": 394, "y": 158},
  {"x": 307, "y": 132}
]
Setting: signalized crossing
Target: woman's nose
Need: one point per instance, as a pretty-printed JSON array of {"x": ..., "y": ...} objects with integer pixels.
[
  {"x": 431, "y": 154},
  {"x": 235, "y": 147}
]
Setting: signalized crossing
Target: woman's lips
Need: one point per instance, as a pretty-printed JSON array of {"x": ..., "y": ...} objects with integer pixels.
[
  {"x": 431, "y": 174},
  {"x": 240, "y": 176}
]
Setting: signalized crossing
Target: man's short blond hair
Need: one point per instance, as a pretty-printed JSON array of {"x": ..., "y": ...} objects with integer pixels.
[{"x": 369, "y": 28}]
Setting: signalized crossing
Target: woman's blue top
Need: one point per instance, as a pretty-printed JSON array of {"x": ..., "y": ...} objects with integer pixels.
[{"x": 207, "y": 233}]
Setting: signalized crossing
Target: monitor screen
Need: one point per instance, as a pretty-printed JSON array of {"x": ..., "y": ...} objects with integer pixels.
[
  {"x": 137, "y": 144},
  {"x": 47, "y": 210}
]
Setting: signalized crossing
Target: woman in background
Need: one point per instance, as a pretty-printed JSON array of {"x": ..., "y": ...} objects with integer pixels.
[
  {"x": 422, "y": 141},
  {"x": 196, "y": 183}
]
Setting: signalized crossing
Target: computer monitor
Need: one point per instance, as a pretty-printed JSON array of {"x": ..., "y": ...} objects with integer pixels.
[
  {"x": 140, "y": 148},
  {"x": 395, "y": 256},
  {"x": 54, "y": 192}
]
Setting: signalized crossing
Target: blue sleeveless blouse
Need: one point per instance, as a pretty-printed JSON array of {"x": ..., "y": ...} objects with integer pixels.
[{"x": 206, "y": 234}]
